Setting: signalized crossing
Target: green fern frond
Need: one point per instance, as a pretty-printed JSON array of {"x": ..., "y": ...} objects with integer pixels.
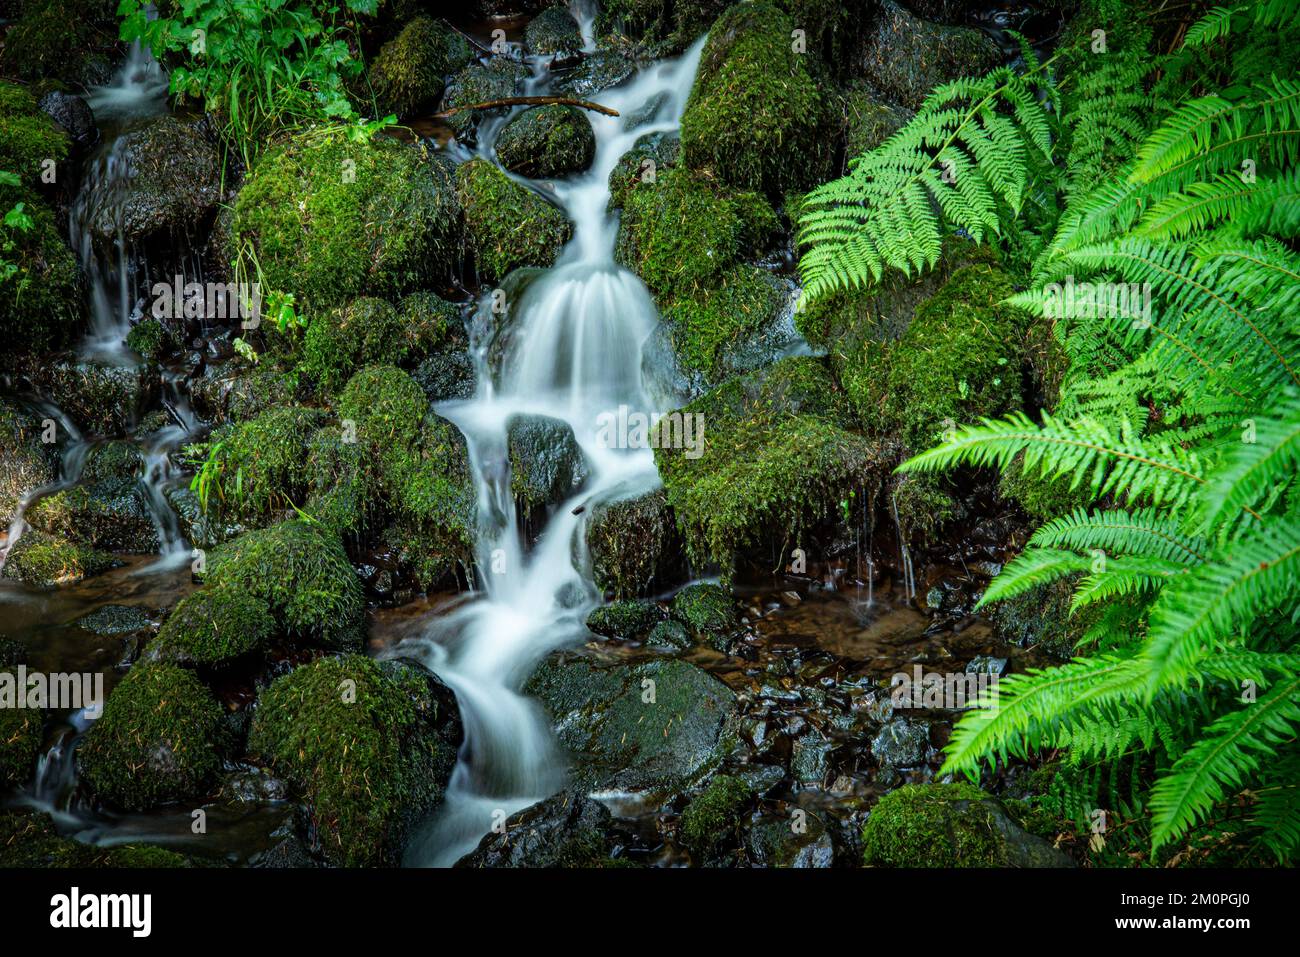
[{"x": 1144, "y": 533}]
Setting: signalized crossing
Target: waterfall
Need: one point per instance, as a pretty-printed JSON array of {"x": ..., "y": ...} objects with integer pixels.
[{"x": 576, "y": 355}]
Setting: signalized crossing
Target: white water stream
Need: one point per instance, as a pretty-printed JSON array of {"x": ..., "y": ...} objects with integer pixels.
[{"x": 575, "y": 356}]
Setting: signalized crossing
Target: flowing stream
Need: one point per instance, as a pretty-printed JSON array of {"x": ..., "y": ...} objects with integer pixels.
[{"x": 575, "y": 356}]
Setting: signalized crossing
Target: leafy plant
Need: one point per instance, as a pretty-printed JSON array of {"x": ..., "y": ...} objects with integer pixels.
[
  {"x": 16, "y": 220},
  {"x": 1182, "y": 420}
]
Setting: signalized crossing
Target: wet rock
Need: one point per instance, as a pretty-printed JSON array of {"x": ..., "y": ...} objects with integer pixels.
[
  {"x": 47, "y": 560},
  {"x": 553, "y": 32},
  {"x": 288, "y": 851},
  {"x": 776, "y": 842},
  {"x": 200, "y": 530},
  {"x": 987, "y": 665},
  {"x": 26, "y": 462},
  {"x": 634, "y": 545},
  {"x": 869, "y": 121},
  {"x": 625, "y": 619},
  {"x": 497, "y": 79},
  {"x": 173, "y": 182},
  {"x": 906, "y": 57},
  {"x": 707, "y": 609},
  {"x": 20, "y": 738},
  {"x": 712, "y": 820},
  {"x": 597, "y": 71},
  {"x": 112, "y": 514},
  {"x": 669, "y": 634},
  {"x": 901, "y": 743},
  {"x": 114, "y": 620},
  {"x": 567, "y": 830},
  {"x": 73, "y": 114},
  {"x": 101, "y": 399},
  {"x": 447, "y": 375},
  {"x": 546, "y": 142},
  {"x": 547, "y": 464},
  {"x": 810, "y": 759},
  {"x": 254, "y": 786},
  {"x": 656, "y": 725},
  {"x": 118, "y": 460},
  {"x": 12, "y": 653},
  {"x": 950, "y": 825}
]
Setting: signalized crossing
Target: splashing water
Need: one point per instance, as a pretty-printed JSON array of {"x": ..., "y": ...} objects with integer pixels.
[{"x": 576, "y": 354}]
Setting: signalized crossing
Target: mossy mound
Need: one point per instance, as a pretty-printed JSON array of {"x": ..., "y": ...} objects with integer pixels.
[
  {"x": 262, "y": 463},
  {"x": 156, "y": 741},
  {"x": 868, "y": 122},
  {"x": 708, "y": 327},
  {"x": 411, "y": 69},
  {"x": 949, "y": 825},
  {"x": 111, "y": 514},
  {"x": 301, "y": 571},
  {"x": 52, "y": 39},
  {"x": 28, "y": 138},
  {"x": 25, "y": 461},
  {"x": 553, "y": 32},
  {"x": 329, "y": 220},
  {"x": 706, "y": 608},
  {"x": 713, "y": 817},
  {"x": 778, "y": 458},
  {"x": 625, "y": 619},
  {"x": 634, "y": 546},
  {"x": 498, "y": 78},
  {"x": 341, "y": 492},
  {"x": 757, "y": 117},
  {"x": 150, "y": 339},
  {"x": 507, "y": 225},
  {"x": 20, "y": 735},
  {"x": 547, "y": 141},
  {"x": 48, "y": 560},
  {"x": 358, "y": 742},
  {"x": 213, "y": 627},
  {"x": 660, "y": 27},
  {"x": 650, "y": 155}
]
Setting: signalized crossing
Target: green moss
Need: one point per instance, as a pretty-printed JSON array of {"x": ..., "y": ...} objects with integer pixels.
[
  {"x": 1043, "y": 497},
  {"x": 386, "y": 406},
  {"x": 30, "y": 840},
  {"x": 28, "y": 138},
  {"x": 624, "y": 619},
  {"x": 777, "y": 457},
  {"x": 341, "y": 490},
  {"x": 428, "y": 324},
  {"x": 214, "y": 626},
  {"x": 342, "y": 340},
  {"x": 47, "y": 560},
  {"x": 660, "y": 27},
  {"x": 869, "y": 121},
  {"x": 20, "y": 739},
  {"x": 156, "y": 740},
  {"x": 111, "y": 514},
  {"x": 553, "y": 32},
  {"x": 713, "y": 817},
  {"x": 42, "y": 304},
  {"x": 262, "y": 463},
  {"x": 546, "y": 142},
  {"x": 51, "y": 39},
  {"x": 757, "y": 117},
  {"x": 680, "y": 234},
  {"x": 707, "y": 324},
  {"x": 300, "y": 570},
  {"x": 653, "y": 152},
  {"x": 706, "y": 608},
  {"x": 149, "y": 338},
  {"x": 932, "y": 825},
  {"x": 118, "y": 459},
  {"x": 507, "y": 225},
  {"x": 496, "y": 79},
  {"x": 634, "y": 547},
  {"x": 329, "y": 220},
  {"x": 265, "y": 386},
  {"x": 410, "y": 70},
  {"x": 344, "y": 733}
]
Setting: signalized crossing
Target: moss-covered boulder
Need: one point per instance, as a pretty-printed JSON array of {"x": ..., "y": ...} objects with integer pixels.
[
  {"x": 655, "y": 726},
  {"x": 625, "y": 619},
  {"x": 20, "y": 733},
  {"x": 869, "y": 121},
  {"x": 370, "y": 747},
  {"x": 213, "y": 627},
  {"x": 411, "y": 69},
  {"x": 634, "y": 546},
  {"x": 906, "y": 57},
  {"x": 150, "y": 339},
  {"x": 301, "y": 571},
  {"x": 26, "y": 462},
  {"x": 779, "y": 455},
  {"x": 659, "y": 27},
  {"x": 73, "y": 41},
  {"x": 707, "y": 609},
  {"x": 102, "y": 399},
  {"x": 156, "y": 742},
  {"x": 261, "y": 464},
  {"x": 949, "y": 825},
  {"x": 553, "y": 33},
  {"x": 728, "y": 328},
  {"x": 713, "y": 818},
  {"x": 757, "y": 117},
  {"x": 342, "y": 488},
  {"x": 329, "y": 219},
  {"x": 173, "y": 183},
  {"x": 507, "y": 225},
  {"x": 498, "y": 78},
  {"x": 111, "y": 514},
  {"x": 547, "y": 141},
  {"x": 570, "y": 829},
  {"x": 46, "y": 560},
  {"x": 650, "y": 155},
  {"x": 546, "y": 462},
  {"x": 28, "y": 839}
]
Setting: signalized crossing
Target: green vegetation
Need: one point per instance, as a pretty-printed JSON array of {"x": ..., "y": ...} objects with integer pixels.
[
  {"x": 411, "y": 69},
  {"x": 933, "y": 825},
  {"x": 214, "y": 626},
  {"x": 29, "y": 840},
  {"x": 506, "y": 225},
  {"x": 156, "y": 742},
  {"x": 713, "y": 817},
  {"x": 46, "y": 560},
  {"x": 1178, "y": 413},
  {"x": 20, "y": 740},
  {"x": 547, "y": 141}
]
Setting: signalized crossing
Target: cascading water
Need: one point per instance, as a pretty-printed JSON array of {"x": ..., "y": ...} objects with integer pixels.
[{"x": 575, "y": 356}]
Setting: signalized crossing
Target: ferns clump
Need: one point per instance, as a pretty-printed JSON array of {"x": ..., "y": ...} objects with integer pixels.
[{"x": 1171, "y": 282}]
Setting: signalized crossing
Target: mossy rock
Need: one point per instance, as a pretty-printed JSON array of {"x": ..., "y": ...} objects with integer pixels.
[
  {"x": 47, "y": 560},
  {"x": 1043, "y": 497},
  {"x": 213, "y": 627},
  {"x": 707, "y": 609},
  {"x": 111, "y": 514},
  {"x": 779, "y": 457},
  {"x": 713, "y": 330},
  {"x": 569, "y": 830},
  {"x": 547, "y": 465},
  {"x": 713, "y": 818},
  {"x": 625, "y": 619},
  {"x": 262, "y": 464},
  {"x": 949, "y": 825},
  {"x": 554, "y": 33},
  {"x": 507, "y": 225},
  {"x": 301, "y": 571},
  {"x": 659, "y": 27},
  {"x": 264, "y": 387},
  {"x": 29, "y": 840},
  {"x": 28, "y": 137},
  {"x": 869, "y": 121},
  {"x": 101, "y": 398},
  {"x": 680, "y": 234},
  {"x": 156, "y": 741},
  {"x": 150, "y": 339},
  {"x": 650, "y": 155},
  {"x": 55, "y": 39},
  {"x": 20, "y": 734},
  {"x": 634, "y": 546},
  {"x": 411, "y": 69},
  {"x": 547, "y": 141},
  {"x": 369, "y": 331},
  {"x": 757, "y": 117},
  {"x": 42, "y": 304},
  {"x": 371, "y": 748},
  {"x": 26, "y": 462},
  {"x": 1041, "y": 618},
  {"x": 330, "y": 220},
  {"x": 498, "y": 78},
  {"x": 342, "y": 489}
]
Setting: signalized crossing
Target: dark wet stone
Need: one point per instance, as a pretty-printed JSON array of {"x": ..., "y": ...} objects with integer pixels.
[
  {"x": 987, "y": 665},
  {"x": 567, "y": 830},
  {"x": 254, "y": 786},
  {"x": 553, "y": 32},
  {"x": 547, "y": 464},
  {"x": 114, "y": 620},
  {"x": 73, "y": 114},
  {"x": 497, "y": 79},
  {"x": 901, "y": 743},
  {"x": 200, "y": 530},
  {"x": 810, "y": 759},
  {"x": 597, "y": 71},
  {"x": 546, "y": 142},
  {"x": 669, "y": 634},
  {"x": 12, "y": 653},
  {"x": 113, "y": 514},
  {"x": 634, "y": 545},
  {"x": 625, "y": 619},
  {"x": 100, "y": 399},
  {"x": 447, "y": 375}
]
